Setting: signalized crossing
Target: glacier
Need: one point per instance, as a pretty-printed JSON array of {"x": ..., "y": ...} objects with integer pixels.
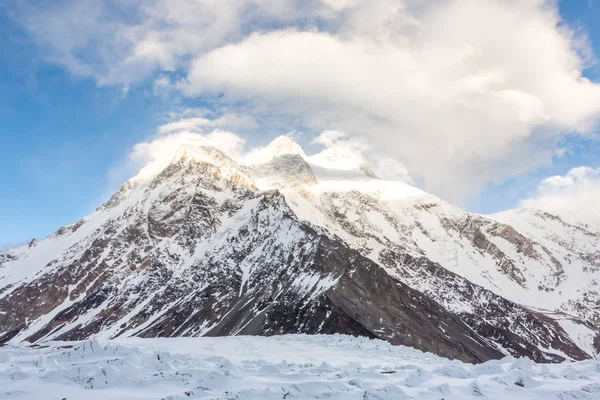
[{"x": 282, "y": 367}]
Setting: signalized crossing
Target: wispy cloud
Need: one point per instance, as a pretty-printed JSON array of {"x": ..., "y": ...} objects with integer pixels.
[
  {"x": 574, "y": 194},
  {"x": 336, "y": 150}
]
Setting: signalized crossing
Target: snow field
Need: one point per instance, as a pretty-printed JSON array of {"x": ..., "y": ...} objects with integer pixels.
[{"x": 283, "y": 367}]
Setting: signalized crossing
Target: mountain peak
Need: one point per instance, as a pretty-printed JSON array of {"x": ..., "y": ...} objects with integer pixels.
[
  {"x": 285, "y": 170},
  {"x": 285, "y": 145},
  {"x": 279, "y": 146},
  {"x": 210, "y": 154}
]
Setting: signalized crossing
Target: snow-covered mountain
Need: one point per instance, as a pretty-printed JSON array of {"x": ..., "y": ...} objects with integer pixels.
[{"x": 283, "y": 242}]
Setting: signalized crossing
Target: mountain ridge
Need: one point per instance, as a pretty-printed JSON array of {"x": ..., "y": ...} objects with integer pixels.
[{"x": 205, "y": 218}]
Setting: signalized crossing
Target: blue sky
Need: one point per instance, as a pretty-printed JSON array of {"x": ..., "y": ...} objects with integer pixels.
[{"x": 66, "y": 133}]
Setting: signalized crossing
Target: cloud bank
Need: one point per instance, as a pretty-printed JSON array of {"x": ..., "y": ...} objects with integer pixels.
[
  {"x": 337, "y": 150},
  {"x": 463, "y": 93}
]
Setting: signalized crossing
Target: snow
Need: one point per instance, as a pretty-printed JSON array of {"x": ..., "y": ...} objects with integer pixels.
[
  {"x": 380, "y": 223},
  {"x": 280, "y": 367},
  {"x": 278, "y": 147},
  {"x": 313, "y": 283},
  {"x": 573, "y": 246},
  {"x": 581, "y": 334}
]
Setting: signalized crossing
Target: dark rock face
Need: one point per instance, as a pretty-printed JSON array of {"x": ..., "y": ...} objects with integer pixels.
[
  {"x": 521, "y": 331},
  {"x": 200, "y": 251},
  {"x": 470, "y": 229}
]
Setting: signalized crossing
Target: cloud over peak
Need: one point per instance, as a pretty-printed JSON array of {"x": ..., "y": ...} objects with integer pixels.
[
  {"x": 461, "y": 92},
  {"x": 338, "y": 151}
]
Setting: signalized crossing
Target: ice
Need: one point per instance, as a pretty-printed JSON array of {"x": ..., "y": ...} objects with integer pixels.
[{"x": 279, "y": 367}]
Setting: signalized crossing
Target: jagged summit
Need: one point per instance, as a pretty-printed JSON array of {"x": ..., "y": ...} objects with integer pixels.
[
  {"x": 285, "y": 145},
  {"x": 209, "y": 243},
  {"x": 203, "y": 153},
  {"x": 279, "y": 146},
  {"x": 332, "y": 163},
  {"x": 283, "y": 163},
  {"x": 287, "y": 170}
]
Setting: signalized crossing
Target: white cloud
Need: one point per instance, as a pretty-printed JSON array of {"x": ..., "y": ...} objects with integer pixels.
[
  {"x": 339, "y": 152},
  {"x": 279, "y": 146},
  {"x": 459, "y": 104},
  {"x": 188, "y": 127},
  {"x": 124, "y": 42},
  {"x": 575, "y": 195},
  {"x": 201, "y": 121},
  {"x": 155, "y": 155},
  {"x": 462, "y": 92}
]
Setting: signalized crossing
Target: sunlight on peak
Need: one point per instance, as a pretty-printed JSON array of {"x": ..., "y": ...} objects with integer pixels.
[
  {"x": 279, "y": 146},
  {"x": 342, "y": 165}
]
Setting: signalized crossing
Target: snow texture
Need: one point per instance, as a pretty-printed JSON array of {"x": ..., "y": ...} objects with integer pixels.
[{"x": 283, "y": 367}]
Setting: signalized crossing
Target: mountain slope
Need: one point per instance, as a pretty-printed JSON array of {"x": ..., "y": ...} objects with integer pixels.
[
  {"x": 201, "y": 252},
  {"x": 375, "y": 230}
]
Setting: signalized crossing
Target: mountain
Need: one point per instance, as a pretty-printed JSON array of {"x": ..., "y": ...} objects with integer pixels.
[{"x": 212, "y": 246}]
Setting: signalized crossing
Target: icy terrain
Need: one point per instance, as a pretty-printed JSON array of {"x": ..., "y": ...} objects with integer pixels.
[{"x": 282, "y": 367}]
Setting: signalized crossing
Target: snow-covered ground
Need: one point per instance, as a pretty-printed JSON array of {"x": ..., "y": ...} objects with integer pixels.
[{"x": 283, "y": 367}]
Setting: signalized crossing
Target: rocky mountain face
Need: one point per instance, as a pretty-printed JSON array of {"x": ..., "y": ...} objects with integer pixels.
[
  {"x": 213, "y": 247},
  {"x": 499, "y": 281}
]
